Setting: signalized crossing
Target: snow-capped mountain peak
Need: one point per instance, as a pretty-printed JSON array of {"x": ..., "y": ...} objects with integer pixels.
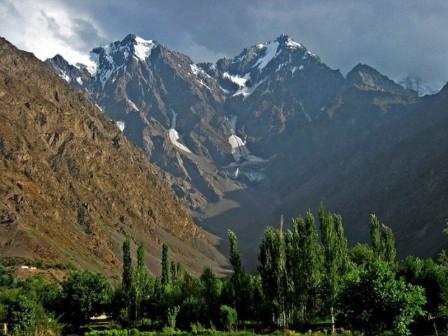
[{"x": 114, "y": 56}]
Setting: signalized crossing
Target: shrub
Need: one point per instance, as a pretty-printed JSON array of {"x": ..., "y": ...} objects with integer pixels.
[{"x": 228, "y": 317}]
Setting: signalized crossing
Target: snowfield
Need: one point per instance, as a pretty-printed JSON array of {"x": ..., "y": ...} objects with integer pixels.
[{"x": 174, "y": 136}]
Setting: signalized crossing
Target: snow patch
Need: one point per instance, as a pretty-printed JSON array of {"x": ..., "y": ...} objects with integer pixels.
[
  {"x": 238, "y": 146},
  {"x": 121, "y": 125},
  {"x": 64, "y": 76},
  {"x": 238, "y": 80},
  {"x": 132, "y": 105},
  {"x": 293, "y": 44},
  {"x": 269, "y": 54},
  {"x": 143, "y": 48},
  {"x": 79, "y": 80},
  {"x": 197, "y": 71},
  {"x": 174, "y": 136},
  {"x": 247, "y": 91}
]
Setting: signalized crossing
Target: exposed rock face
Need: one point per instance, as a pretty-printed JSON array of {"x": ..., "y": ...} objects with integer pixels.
[
  {"x": 273, "y": 130},
  {"x": 72, "y": 187}
]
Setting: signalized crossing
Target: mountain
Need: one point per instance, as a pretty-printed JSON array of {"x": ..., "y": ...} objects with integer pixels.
[
  {"x": 72, "y": 187},
  {"x": 272, "y": 131}
]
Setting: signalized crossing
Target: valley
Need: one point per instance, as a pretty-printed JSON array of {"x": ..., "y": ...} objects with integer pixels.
[{"x": 272, "y": 131}]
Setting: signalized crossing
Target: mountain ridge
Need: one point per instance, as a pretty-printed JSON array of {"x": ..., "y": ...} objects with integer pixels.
[
  {"x": 233, "y": 137},
  {"x": 73, "y": 187}
]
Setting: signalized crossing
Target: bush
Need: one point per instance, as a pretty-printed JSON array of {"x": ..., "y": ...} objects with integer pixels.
[
  {"x": 228, "y": 317},
  {"x": 85, "y": 294},
  {"x": 375, "y": 301}
]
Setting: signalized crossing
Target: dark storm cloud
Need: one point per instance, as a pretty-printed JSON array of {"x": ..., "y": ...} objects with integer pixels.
[{"x": 403, "y": 37}]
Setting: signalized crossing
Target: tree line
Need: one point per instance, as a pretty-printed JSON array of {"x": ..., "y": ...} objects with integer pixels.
[{"x": 308, "y": 277}]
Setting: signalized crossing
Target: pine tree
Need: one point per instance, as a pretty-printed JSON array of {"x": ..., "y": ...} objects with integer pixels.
[{"x": 165, "y": 279}]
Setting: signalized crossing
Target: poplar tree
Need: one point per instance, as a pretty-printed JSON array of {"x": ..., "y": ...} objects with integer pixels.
[
  {"x": 165, "y": 278},
  {"x": 304, "y": 258},
  {"x": 383, "y": 240},
  {"x": 272, "y": 271},
  {"x": 128, "y": 280},
  {"x": 140, "y": 285},
  {"x": 335, "y": 248},
  {"x": 235, "y": 258},
  {"x": 375, "y": 235},
  {"x": 127, "y": 268},
  {"x": 388, "y": 244},
  {"x": 239, "y": 281}
]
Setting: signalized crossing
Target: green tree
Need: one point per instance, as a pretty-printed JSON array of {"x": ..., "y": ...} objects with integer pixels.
[
  {"x": 127, "y": 291},
  {"x": 273, "y": 275},
  {"x": 239, "y": 291},
  {"x": 21, "y": 315},
  {"x": 374, "y": 301},
  {"x": 383, "y": 240},
  {"x": 140, "y": 284},
  {"x": 375, "y": 236},
  {"x": 433, "y": 278},
  {"x": 335, "y": 248},
  {"x": 228, "y": 317},
  {"x": 128, "y": 272},
  {"x": 361, "y": 255},
  {"x": 235, "y": 258},
  {"x": 211, "y": 293},
  {"x": 304, "y": 255},
  {"x": 388, "y": 244},
  {"x": 165, "y": 278},
  {"x": 85, "y": 294}
]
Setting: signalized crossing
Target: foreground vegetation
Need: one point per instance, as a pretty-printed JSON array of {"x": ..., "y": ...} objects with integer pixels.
[{"x": 308, "y": 278}]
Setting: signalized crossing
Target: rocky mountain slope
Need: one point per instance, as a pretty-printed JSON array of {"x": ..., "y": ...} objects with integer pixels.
[
  {"x": 72, "y": 187},
  {"x": 272, "y": 130}
]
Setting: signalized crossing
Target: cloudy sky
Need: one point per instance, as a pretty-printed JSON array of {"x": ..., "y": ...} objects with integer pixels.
[{"x": 399, "y": 38}]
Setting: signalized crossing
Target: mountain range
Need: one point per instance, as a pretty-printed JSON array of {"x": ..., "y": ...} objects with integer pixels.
[
  {"x": 275, "y": 131},
  {"x": 72, "y": 187}
]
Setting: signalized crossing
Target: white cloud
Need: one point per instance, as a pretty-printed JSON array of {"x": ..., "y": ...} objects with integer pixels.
[{"x": 46, "y": 29}]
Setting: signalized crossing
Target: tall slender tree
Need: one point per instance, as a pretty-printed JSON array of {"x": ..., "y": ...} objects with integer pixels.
[
  {"x": 375, "y": 235},
  {"x": 272, "y": 271},
  {"x": 304, "y": 263},
  {"x": 140, "y": 283},
  {"x": 383, "y": 240},
  {"x": 235, "y": 258},
  {"x": 335, "y": 249},
  {"x": 127, "y": 284},
  {"x": 389, "y": 250},
  {"x": 240, "y": 289},
  {"x": 127, "y": 268},
  {"x": 165, "y": 278}
]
